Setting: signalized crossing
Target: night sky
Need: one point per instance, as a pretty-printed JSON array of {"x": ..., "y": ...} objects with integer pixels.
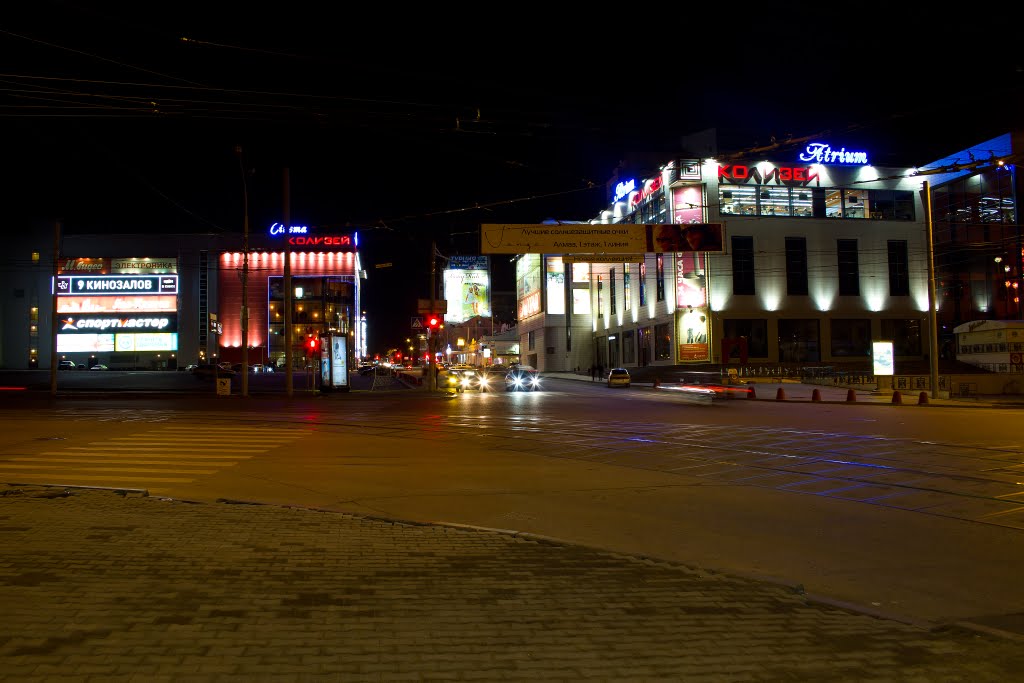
[{"x": 411, "y": 126}]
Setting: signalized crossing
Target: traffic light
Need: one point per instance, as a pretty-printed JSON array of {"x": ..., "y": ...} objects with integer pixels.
[
  {"x": 434, "y": 322},
  {"x": 312, "y": 344}
]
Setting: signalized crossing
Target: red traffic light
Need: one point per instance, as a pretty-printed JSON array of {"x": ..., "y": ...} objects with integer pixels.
[
  {"x": 433, "y": 322},
  {"x": 312, "y": 343}
]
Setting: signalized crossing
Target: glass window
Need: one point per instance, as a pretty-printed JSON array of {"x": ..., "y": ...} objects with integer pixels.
[
  {"x": 796, "y": 266},
  {"x": 625, "y": 287},
  {"x": 774, "y": 201},
  {"x": 755, "y": 331},
  {"x": 643, "y": 283},
  {"x": 628, "y": 348},
  {"x": 851, "y": 338},
  {"x": 905, "y": 336},
  {"x": 531, "y": 340},
  {"x": 849, "y": 268},
  {"x": 803, "y": 203},
  {"x": 854, "y": 202},
  {"x": 742, "y": 265},
  {"x": 833, "y": 204},
  {"x": 659, "y": 277},
  {"x": 899, "y": 277},
  {"x": 798, "y": 341},
  {"x": 600, "y": 295},
  {"x": 611, "y": 283},
  {"x": 662, "y": 342},
  {"x": 736, "y": 200}
]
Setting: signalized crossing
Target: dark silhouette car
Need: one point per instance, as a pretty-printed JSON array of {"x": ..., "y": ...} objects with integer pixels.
[
  {"x": 522, "y": 378},
  {"x": 207, "y": 371}
]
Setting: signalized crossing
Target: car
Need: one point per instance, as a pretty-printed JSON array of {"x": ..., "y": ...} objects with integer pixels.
[
  {"x": 464, "y": 379},
  {"x": 99, "y": 366},
  {"x": 67, "y": 365},
  {"x": 207, "y": 371},
  {"x": 618, "y": 377},
  {"x": 522, "y": 378}
]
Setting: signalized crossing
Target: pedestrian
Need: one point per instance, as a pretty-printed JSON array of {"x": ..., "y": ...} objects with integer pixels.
[
  {"x": 593, "y": 373},
  {"x": 600, "y": 371}
]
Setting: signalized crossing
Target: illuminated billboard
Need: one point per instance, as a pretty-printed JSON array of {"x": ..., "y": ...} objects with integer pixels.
[
  {"x": 90, "y": 323},
  {"x": 167, "y": 303},
  {"x": 113, "y": 285},
  {"x": 467, "y": 288}
]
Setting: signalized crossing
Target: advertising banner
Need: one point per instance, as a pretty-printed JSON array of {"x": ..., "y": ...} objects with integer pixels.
[
  {"x": 118, "y": 304},
  {"x": 467, "y": 293},
  {"x": 113, "y": 285},
  {"x": 89, "y": 323},
  {"x": 616, "y": 238}
]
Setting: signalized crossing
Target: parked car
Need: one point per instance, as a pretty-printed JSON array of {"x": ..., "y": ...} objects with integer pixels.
[
  {"x": 67, "y": 365},
  {"x": 618, "y": 377},
  {"x": 99, "y": 366},
  {"x": 522, "y": 378},
  {"x": 207, "y": 371}
]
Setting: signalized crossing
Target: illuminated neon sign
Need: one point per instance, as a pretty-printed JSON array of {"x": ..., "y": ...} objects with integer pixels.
[
  {"x": 278, "y": 229},
  {"x": 766, "y": 175},
  {"x": 822, "y": 153},
  {"x": 323, "y": 240},
  {"x": 624, "y": 188},
  {"x": 650, "y": 187}
]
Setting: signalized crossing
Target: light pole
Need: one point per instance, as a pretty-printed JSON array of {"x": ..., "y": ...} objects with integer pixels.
[{"x": 245, "y": 275}]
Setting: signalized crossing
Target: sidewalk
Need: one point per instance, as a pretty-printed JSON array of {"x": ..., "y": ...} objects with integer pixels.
[
  {"x": 769, "y": 389},
  {"x": 116, "y": 586}
]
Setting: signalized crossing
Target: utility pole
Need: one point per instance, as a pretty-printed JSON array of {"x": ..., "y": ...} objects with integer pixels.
[
  {"x": 54, "y": 320},
  {"x": 432, "y": 338},
  {"x": 933, "y": 352},
  {"x": 289, "y": 390},
  {"x": 245, "y": 276}
]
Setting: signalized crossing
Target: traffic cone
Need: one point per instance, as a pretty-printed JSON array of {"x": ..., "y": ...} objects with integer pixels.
[
  {"x": 752, "y": 394},
  {"x": 897, "y": 398},
  {"x": 851, "y": 396},
  {"x": 816, "y": 395},
  {"x": 922, "y": 399},
  {"x": 780, "y": 395}
]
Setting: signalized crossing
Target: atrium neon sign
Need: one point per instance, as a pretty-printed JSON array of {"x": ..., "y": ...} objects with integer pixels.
[
  {"x": 624, "y": 188},
  {"x": 278, "y": 229},
  {"x": 822, "y": 153}
]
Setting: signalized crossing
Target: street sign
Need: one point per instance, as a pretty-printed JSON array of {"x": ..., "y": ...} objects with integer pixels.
[{"x": 417, "y": 322}]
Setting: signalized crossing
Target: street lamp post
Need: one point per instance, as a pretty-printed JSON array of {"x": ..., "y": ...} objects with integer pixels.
[{"x": 245, "y": 275}]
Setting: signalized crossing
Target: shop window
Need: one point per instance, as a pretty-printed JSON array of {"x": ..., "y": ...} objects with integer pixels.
[
  {"x": 659, "y": 277},
  {"x": 854, "y": 202},
  {"x": 742, "y": 265},
  {"x": 802, "y": 201},
  {"x": 735, "y": 200},
  {"x": 851, "y": 338},
  {"x": 773, "y": 201},
  {"x": 849, "y": 268},
  {"x": 796, "y": 266}
]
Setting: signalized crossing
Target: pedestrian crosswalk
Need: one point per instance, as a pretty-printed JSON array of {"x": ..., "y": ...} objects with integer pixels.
[{"x": 163, "y": 455}]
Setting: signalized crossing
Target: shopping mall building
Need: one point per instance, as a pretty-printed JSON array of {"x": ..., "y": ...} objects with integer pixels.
[
  {"x": 140, "y": 301},
  {"x": 818, "y": 253}
]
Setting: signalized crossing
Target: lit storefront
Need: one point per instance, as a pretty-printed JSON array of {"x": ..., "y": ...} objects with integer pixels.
[{"x": 325, "y": 288}]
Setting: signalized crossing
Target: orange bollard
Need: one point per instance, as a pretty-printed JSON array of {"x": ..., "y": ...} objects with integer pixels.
[
  {"x": 816, "y": 395},
  {"x": 780, "y": 395},
  {"x": 851, "y": 396},
  {"x": 897, "y": 398},
  {"x": 752, "y": 394},
  {"x": 922, "y": 399}
]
